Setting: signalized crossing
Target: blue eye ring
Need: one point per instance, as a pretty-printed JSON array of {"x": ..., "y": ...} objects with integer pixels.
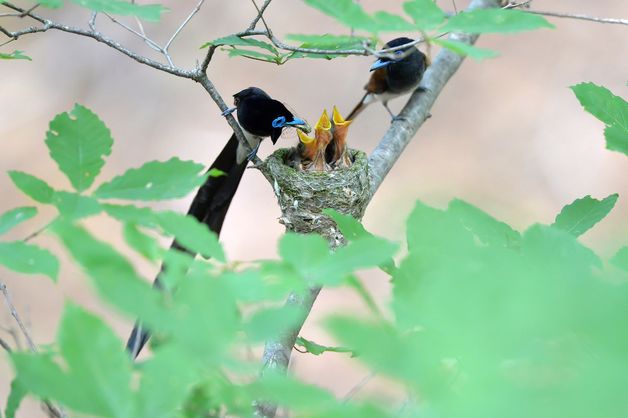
[{"x": 279, "y": 122}]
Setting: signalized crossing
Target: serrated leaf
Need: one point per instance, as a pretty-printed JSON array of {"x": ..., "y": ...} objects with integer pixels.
[
  {"x": 317, "y": 349},
  {"x": 388, "y": 22},
  {"x": 253, "y": 54},
  {"x": 73, "y": 206},
  {"x": 350, "y": 227},
  {"x": 464, "y": 49},
  {"x": 486, "y": 229},
  {"x": 149, "y": 12},
  {"x": 610, "y": 109},
  {"x": 580, "y": 215},
  {"x": 31, "y": 186},
  {"x": 52, "y": 4},
  {"x": 425, "y": 13},
  {"x": 155, "y": 180},
  {"x": 234, "y": 40},
  {"x": 13, "y": 217},
  {"x": 29, "y": 259},
  {"x": 113, "y": 275},
  {"x": 78, "y": 141},
  {"x": 271, "y": 322},
  {"x": 191, "y": 234},
  {"x": 328, "y": 41},
  {"x": 495, "y": 21},
  {"x": 97, "y": 376},
  {"x": 16, "y": 395},
  {"x": 15, "y": 55},
  {"x": 141, "y": 242},
  {"x": 346, "y": 12}
]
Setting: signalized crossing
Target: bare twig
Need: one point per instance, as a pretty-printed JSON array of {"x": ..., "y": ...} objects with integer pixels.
[
  {"x": 92, "y": 21},
  {"x": 581, "y": 17},
  {"x": 182, "y": 25},
  {"x": 16, "y": 316},
  {"x": 152, "y": 44},
  {"x": 260, "y": 13},
  {"x": 359, "y": 386},
  {"x": 5, "y": 345}
]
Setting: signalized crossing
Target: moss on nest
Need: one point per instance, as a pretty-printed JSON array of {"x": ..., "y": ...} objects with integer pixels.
[{"x": 302, "y": 195}]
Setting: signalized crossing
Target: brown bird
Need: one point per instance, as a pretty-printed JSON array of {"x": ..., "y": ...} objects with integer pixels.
[
  {"x": 336, "y": 153},
  {"x": 313, "y": 149},
  {"x": 393, "y": 77}
]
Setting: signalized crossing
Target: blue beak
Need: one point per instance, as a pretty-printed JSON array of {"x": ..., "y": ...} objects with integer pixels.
[
  {"x": 380, "y": 64},
  {"x": 228, "y": 111},
  {"x": 296, "y": 121}
]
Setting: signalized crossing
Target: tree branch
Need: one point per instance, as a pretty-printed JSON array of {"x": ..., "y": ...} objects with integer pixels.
[{"x": 581, "y": 17}]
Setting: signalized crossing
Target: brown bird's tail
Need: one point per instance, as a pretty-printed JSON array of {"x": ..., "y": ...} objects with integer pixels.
[
  {"x": 359, "y": 107},
  {"x": 210, "y": 206}
]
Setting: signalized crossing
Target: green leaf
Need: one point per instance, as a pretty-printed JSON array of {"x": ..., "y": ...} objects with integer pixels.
[
  {"x": 17, "y": 394},
  {"x": 580, "y": 215},
  {"x": 15, "y": 55},
  {"x": 272, "y": 322},
  {"x": 13, "y": 217},
  {"x": 113, "y": 275},
  {"x": 31, "y": 186},
  {"x": 234, "y": 40},
  {"x": 346, "y": 12},
  {"x": 154, "y": 180},
  {"x": 73, "y": 206},
  {"x": 29, "y": 259},
  {"x": 52, "y": 4},
  {"x": 620, "y": 259},
  {"x": 141, "y": 242},
  {"x": 191, "y": 234},
  {"x": 253, "y": 54},
  {"x": 425, "y": 13},
  {"x": 305, "y": 253},
  {"x": 317, "y": 349},
  {"x": 149, "y": 12},
  {"x": 610, "y": 109},
  {"x": 495, "y": 21},
  {"x": 350, "y": 227},
  {"x": 328, "y": 41},
  {"x": 486, "y": 229},
  {"x": 97, "y": 376},
  {"x": 388, "y": 22},
  {"x": 78, "y": 141},
  {"x": 464, "y": 49}
]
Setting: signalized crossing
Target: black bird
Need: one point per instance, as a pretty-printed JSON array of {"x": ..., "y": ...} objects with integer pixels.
[
  {"x": 260, "y": 116},
  {"x": 393, "y": 77}
]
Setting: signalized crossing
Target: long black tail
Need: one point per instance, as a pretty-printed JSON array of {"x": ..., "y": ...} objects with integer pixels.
[
  {"x": 210, "y": 206},
  {"x": 358, "y": 108}
]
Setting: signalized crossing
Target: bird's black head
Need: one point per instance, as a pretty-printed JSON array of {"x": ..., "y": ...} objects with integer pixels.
[
  {"x": 403, "y": 54},
  {"x": 248, "y": 93}
]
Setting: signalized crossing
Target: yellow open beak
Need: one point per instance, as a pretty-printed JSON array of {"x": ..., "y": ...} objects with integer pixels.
[
  {"x": 304, "y": 138},
  {"x": 323, "y": 122},
  {"x": 338, "y": 119}
]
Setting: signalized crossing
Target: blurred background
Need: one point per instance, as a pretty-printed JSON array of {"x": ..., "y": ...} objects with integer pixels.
[{"x": 507, "y": 135}]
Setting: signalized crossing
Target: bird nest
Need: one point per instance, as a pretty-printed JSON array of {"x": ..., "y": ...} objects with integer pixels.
[{"x": 303, "y": 195}]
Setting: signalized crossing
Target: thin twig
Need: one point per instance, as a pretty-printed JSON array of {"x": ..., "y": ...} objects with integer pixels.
[
  {"x": 182, "y": 25},
  {"x": 260, "y": 13},
  {"x": 358, "y": 386},
  {"x": 92, "y": 21},
  {"x": 152, "y": 44},
  {"x": 5, "y": 345},
  {"x": 581, "y": 17},
  {"x": 16, "y": 316}
]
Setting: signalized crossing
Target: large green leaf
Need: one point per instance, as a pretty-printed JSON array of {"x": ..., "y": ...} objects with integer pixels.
[
  {"x": 32, "y": 186},
  {"x": 580, "y": 215},
  {"x": 270, "y": 322},
  {"x": 75, "y": 206},
  {"x": 495, "y": 21},
  {"x": 425, "y": 13},
  {"x": 144, "y": 244},
  {"x": 154, "y": 180},
  {"x": 461, "y": 48},
  {"x": 610, "y": 109},
  {"x": 620, "y": 259},
  {"x": 97, "y": 374},
  {"x": 53, "y": 4},
  {"x": 29, "y": 259},
  {"x": 78, "y": 141},
  {"x": 150, "y": 12},
  {"x": 13, "y": 217},
  {"x": 328, "y": 41},
  {"x": 347, "y": 12}
]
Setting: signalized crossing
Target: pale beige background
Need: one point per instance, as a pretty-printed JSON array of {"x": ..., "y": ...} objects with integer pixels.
[{"x": 506, "y": 134}]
